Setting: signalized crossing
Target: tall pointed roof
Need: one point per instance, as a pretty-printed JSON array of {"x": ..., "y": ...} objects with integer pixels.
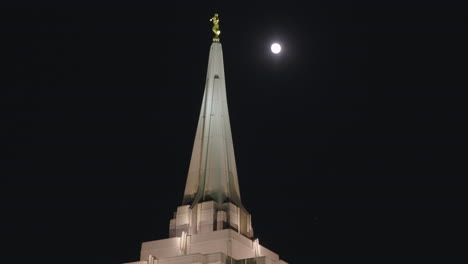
[{"x": 212, "y": 173}]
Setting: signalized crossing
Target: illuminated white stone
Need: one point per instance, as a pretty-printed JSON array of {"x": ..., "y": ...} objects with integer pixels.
[{"x": 212, "y": 173}]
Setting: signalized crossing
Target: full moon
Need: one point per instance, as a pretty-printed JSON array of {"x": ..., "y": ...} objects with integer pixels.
[{"x": 275, "y": 48}]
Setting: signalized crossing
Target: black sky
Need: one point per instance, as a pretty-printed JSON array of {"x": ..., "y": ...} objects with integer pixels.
[{"x": 348, "y": 143}]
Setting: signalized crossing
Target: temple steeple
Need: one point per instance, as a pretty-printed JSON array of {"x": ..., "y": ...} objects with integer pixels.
[
  {"x": 212, "y": 199},
  {"x": 212, "y": 174}
]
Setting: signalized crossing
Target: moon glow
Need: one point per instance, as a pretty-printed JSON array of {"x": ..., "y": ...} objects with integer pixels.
[{"x": 275, "y": 48}]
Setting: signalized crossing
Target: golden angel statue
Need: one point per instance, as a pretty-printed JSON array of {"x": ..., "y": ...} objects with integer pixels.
[{"x": 216, "y": 30}]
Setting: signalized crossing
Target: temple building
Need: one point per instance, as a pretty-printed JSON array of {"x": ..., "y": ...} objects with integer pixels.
[{"x": 211, "y": 226}]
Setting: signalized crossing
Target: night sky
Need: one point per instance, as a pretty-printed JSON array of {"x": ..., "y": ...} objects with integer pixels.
[{"x": 348, "y": 143}]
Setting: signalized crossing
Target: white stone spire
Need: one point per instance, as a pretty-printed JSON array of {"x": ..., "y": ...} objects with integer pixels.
[
  {"x": 211, "y": 198},
  {"x": 212, "y": 174}
]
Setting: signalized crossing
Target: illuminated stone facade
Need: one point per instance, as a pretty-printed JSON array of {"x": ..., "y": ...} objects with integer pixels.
[{"x": 211, "y": 226}]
